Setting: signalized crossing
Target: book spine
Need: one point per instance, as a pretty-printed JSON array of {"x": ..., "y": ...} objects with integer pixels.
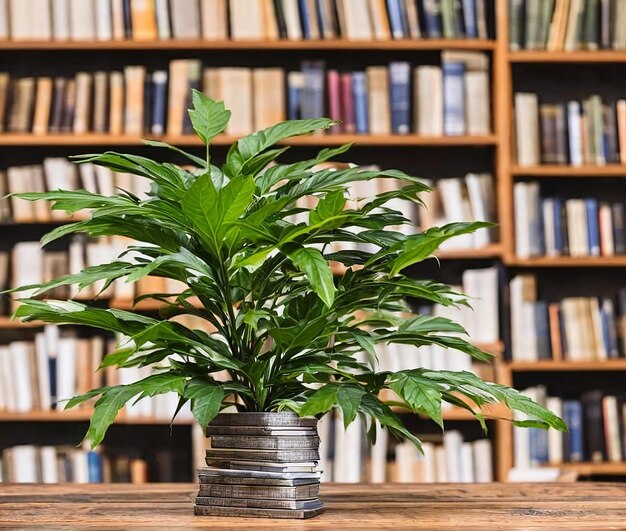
[
  {"x": 542, "y": 327},
  {"x": 304, "y": 19},
  {"x": 594, "y": 426},
  {"x": 395, "y": 19},
  {"x": 516, "y": 23},
  {"x": 573, "y": 127},
  {"x": 619, "y": 233},
  {"x": 591, "y": 25},
  {"x": 128, "y": 24},
  {"x": 572, "y": 411},
  {"x": 159, "y": 102},
  {"x": 347, "y": 104},
  {"x": 432, "y": 18},
  {"x": 334, "y": 98},
  {"x": 605, "y": 24},
  {"x": 359, "y": 91},
  {"x": 94, "y": 467},
  {"x": 561, "y": 134},
  {"x": 453, "y": 98},
  {"x": 559, "y": 232},
  {"x": 400, "y": 96},
  {"x": 593, "y": 231},
  {"x": 469, "y": 18}
]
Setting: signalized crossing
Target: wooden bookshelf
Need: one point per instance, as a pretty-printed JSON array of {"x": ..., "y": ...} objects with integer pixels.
[
  {"x": 578, "y": 56},
  {"x": 594, "y": 469},
  {"x": 497, "y": 147},
  {"x": 93, "y": 139},
  {"x": 568, "y": 261},
  {"x": 229, "y": 45},
  {"x": 610, "y": 170},
  {"x": 81, "y": 415},
  {"x": 568, "y": 366}
]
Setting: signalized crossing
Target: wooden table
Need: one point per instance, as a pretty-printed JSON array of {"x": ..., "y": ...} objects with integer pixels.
[{"x": 391, "y": 506}]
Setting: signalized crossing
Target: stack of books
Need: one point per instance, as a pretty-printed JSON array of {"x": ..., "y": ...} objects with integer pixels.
[
  {"x": 559, "y": 226},
  {"x": 261, "y": 465},
  {"x": 241, "y": 20},
  {"x": 573, "y": 328},
  {"x": 596, "y": 423},
  {"x": 587, "y": 132},
  {"x": 568, "y": 25}
]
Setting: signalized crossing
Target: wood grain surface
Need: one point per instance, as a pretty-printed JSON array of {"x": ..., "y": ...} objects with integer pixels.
[{"x": 390, "y": 506}]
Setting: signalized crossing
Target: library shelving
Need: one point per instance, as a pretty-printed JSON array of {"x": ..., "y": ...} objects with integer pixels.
[{"x": 493, "y": 152}]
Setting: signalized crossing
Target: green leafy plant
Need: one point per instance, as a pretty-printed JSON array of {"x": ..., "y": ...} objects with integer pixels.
[{"x": 289, "y": 333}]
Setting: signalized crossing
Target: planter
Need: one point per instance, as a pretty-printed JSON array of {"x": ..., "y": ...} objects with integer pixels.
[{"x": 260, "y": 465}]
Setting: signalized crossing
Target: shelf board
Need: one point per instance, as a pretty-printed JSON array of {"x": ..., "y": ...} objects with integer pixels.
[
  {"x": 96, "y": 139},
  {"x": 579, "y": 56},
  {"x": 561, "y": 170},
  {"x": 228, "y": 45},
  {"x": 490, "y": 251},
  {"x": 568, "y": 261},
  {"x": 594, "y": 469},
  {"x": 567, "y": 366},
  {"x": 80, "y": 415}
]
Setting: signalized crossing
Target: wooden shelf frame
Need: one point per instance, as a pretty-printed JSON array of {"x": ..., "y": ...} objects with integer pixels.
[
  {"x": 562, "y": 170},
  {"x": 83, "y": 415},
  {"x": 577, "y": 56},
  {"x": 567, "y": 365},
  {"x": 248, "y": 45},
  {"x": 103, "y": 139},
  {"x": 568, "y": 261}
]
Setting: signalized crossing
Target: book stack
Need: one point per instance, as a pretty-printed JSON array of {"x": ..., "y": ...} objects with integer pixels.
[
  {"x": 596, "y": 423},
  {"x": 586, "y": 132},
  {"x": 215, "y": 20},
  {"x": 574, "y": 328},
  {"x": 556, "y": 25},
  {"x": 557, "y": 226},
  {"x": 261, "y": 465}
]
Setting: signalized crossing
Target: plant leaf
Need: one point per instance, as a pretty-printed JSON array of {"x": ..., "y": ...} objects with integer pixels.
[
  {"x": 209, "y": 118},
  {"x": 315, "y": 267}
]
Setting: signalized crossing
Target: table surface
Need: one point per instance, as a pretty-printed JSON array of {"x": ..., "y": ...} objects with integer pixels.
[{"x": 389, "y": 506}]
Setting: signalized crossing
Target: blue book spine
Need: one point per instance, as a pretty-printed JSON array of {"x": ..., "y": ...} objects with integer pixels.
[
  {"x": 359, "y": 91},
  {"x": 542, "y": 328},
  {"x": 593, "y": 230},
  {"x": 538, "y": 446},
  {"x": 294, "y": 103},
  {"x": 304, "y": 19},
  {"x": 159, "y": 102},
  {"x": 469, "y": 15},
  {"x": 395, "y": 19},
  {"x": 52, "y": 371},
  {"x": 559, "y": 234},
  {"x": 453, "y": 98},
  {"x": 573, "y": 413},
  {"x": 313, "y": 93},
  {"x": 432, "y": 18},
  {"x": 605, "y": 321},
  {"x": 94, "y": 467},
  {"x": 320, "y": 7},
  {"x": 400, "y": 97}
]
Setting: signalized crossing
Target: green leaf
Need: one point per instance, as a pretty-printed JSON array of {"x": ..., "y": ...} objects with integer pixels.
[
  {"x": 349, "y": 400},
  {"x": 209, "y": 118},
  {"x": 206, "y": 400},
  {"x": 158, "y": 384},
  {"x": 106, "y": 409},
  {"x": 247, "y": 148},
  {"x": 329, "y": 206},
  {"x": 420, "y": 394},
  {"x": 315, "y": 267},
  {"x": 213, "y": 212},
  {"x": 158, "y": 143},
  {"x": 320, "y": 401}
]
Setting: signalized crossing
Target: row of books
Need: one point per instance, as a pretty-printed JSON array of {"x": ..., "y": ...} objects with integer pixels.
[
  {"x": 68, "y": 464},
  {"x": 596, "y": 422},
  {"x": 58, "y": 173},
  {"x": 241, "y": 20},
  {"x": 39, "y": 375},
  {"x": 346, "y": 458},
  {"x": 568, "y": 25},
  {"x": 452, "y": 99},
  {"x": 557, "y": 226},
  {"x": 454, "y": 199},
  {"x": 573, "y": 328},
  {"x": 587, "y": 132}
]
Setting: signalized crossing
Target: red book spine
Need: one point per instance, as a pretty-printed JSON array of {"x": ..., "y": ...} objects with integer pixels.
[
  {"x": 334, "y": 99},
  {"x": 347, "y": 103}
]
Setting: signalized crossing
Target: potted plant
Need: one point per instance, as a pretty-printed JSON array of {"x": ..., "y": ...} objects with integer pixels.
[{"x": 287, "y": 331}]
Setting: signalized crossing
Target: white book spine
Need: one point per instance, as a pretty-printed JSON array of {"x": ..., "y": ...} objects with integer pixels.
[
  {"x": 430, "y": 470},
  {"x": 104, "y": 28},
  {"x": 4, "y": 19},
  {"x": 80, "y": 466},
  {"x": 24, "y": 464},
  {"x": 483, "y": 461},
  {"x": 452, "y": 443},
  {"x": 60, "y": 20},
  {"x": 467, "y": 463},
  {"x": 49, "y": 471},
  {"x": 43, "y": 371},
  {"x": 549, "y": 225},
  {"x": 522, "y": 222},
  {"x": 555, "y": 438},
  {"x": 574, "y": 133},
  {"x": 163, "y": 19},
  {"x": 66, "y": 368},
  {"x": 441, "y": 469},
  {"x": 21, "y": 376},
  {"x": 379, "y": 456}
]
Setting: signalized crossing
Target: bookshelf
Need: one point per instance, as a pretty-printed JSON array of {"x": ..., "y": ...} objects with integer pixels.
[{"x": 492, "y": 152}]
